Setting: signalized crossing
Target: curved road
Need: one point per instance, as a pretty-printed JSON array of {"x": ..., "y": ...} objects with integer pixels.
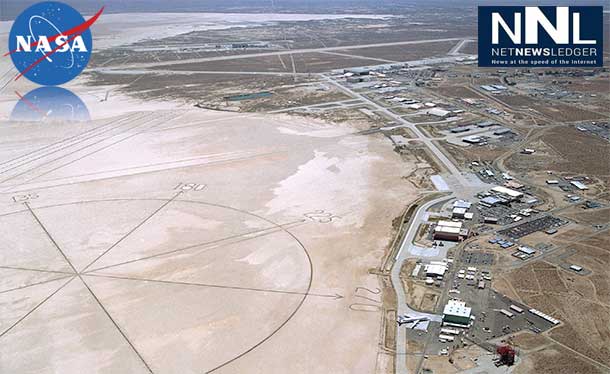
[{"x": 402, "y": 306}]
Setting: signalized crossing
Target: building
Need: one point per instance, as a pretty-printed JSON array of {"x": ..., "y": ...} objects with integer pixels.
[
  {"x": 416, "y": 270},
  {"x": 491, "y": 220},
  {"x": 485, "y": 124},
  {"x": 435, "y": 269},
  {"x": 449, "y": 230},
  {"x": 516, "y": 308},
  {"x": 502, "y": 131},
  {"x": 488, "y": 173},
  {"x": 457, "y": 130},
  {"x": 508, "y": 193},
  {"x": 581, "y": 186},
  {"x": 399, "y": 140},
  {"x": 472, "y": 139},
  {"x": 492, "y": 201},
  {"x": 448, "y": 331},
  {"x": 488, "y": 88},
  {"x": 458, "y": 212},
  {"x": 439, "y": 112},
  {"x": 462, "y": 204},
  {"x": 358, "y": 71},
  {"x": 576, "y": 268},
  {"x": 527, "y": 250},
  {"x": 447, "y": 233},
  {"x": 457, "y": 312},
  {"x": 357, "y": 79},
  {"x": 514, "y": 185}
]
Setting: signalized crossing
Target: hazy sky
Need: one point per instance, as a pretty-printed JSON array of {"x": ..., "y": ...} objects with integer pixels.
[{"x": 10, "y": 8}]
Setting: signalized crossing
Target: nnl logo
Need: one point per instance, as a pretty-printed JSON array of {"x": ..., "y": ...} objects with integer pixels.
[
  {"x": 50, "y": 43},
  {"x": 540, "y": 36}
]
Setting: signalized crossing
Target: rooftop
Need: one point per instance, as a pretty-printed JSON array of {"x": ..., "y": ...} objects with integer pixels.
[
  {"x": 457, "y": 308},
  {"x": 449, "y": 224},
  {"x": 507, "y": 191}
]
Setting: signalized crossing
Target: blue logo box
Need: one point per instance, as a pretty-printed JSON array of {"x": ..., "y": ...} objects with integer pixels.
[{"x": 540, "y": 36}]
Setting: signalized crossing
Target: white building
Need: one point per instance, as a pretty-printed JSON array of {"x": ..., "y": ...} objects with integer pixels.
[
  {"x": 457, "y": 312},
  {"x": 527, "y": 250},
  {"x": 581, "y": 186},
  {"x": 462, "y": 204},
  {"x": 435, "y": 270},
  {"x": 472, "y": 139},
  {"x": 508, "y": 193},
  {"x": 576, "y": 268},
  {"x": 439, "y": 112},
  {"x": 458, "y": 212}
]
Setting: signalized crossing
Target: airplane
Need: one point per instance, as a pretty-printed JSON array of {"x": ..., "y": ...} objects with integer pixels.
[{"x": 407, "y": 319}]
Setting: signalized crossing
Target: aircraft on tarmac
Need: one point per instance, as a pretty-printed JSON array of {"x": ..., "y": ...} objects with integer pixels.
[{"x": 407, "y": 319}]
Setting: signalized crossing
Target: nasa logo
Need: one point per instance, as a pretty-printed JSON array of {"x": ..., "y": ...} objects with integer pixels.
[{"x": 50, "y": 43}]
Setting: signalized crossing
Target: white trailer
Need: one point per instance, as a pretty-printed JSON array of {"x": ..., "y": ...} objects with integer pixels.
[
  {"x": 447, "y": 331},
  {"x": 507, "y": 313},
  {"x": 516, "y": 309}
]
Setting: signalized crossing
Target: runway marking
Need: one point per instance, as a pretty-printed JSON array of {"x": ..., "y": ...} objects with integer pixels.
[
  {"x": 78, "y": 150},
  {"x": 97, "y": 150},
  {"x": 36, "y": 284},
  {"x": 211, "y": 244},
  {"x": 61, "y": 142},
  {"x": 305, "y": 294},
  {"x": 334, "y": 296},
  {"x": 67, "y": 154},
  {"x": 35, "y": 308},
  {"x": 133, "y": 230},
  {"x": 50, "y": 237},
  {"x": 36, "y": 270},
  {"x": 136, "y": 170},
  {"x": 116, "y": 325},
  {"x": 456, "y": 49},
  {"x": 200, "y": 122},
  {"x": 77, "y": 274}
]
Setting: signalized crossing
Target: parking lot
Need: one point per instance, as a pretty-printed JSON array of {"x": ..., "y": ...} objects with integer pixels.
[
  {"x": 477, "y": 258},
  {"x": 529, "y": 227},
  {"x": 493, "y": 323}
]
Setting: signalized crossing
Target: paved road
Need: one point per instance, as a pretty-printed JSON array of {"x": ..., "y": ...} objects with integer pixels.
[
  {"x": 445, "y": 162},
  {"x": 456, "y": 50},
  {"x": 402, "y": 307}
]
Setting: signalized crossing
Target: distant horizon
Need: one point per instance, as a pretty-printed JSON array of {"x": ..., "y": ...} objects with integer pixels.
[{"x": 9, "y": 9}]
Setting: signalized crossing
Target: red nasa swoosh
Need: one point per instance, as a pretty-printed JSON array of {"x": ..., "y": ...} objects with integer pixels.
[
  {"x": 74, "y": 32},
  {"x": 30, "y": 104}
]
